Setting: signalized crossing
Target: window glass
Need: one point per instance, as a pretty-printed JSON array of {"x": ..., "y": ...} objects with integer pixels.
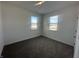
[
  {"x": 34, "y": 21},
  {"x": 53, "y": 23}
]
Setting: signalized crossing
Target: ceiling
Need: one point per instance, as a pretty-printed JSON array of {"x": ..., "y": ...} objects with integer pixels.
[{"x": 48, "y": 6}]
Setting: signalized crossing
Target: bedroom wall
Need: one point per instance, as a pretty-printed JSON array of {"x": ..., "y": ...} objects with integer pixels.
[
  {"x": 1, "y": 32},
  {"x": 16, "y": 23},
  {"x": 66, "y": 26}
]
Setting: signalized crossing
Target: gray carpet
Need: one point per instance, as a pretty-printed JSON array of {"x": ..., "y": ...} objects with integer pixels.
[{"x": 38, "y": 47}]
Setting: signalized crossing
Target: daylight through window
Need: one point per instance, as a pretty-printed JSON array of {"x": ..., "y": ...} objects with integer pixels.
[
  {"x": 53, "y": 23},
  {"x": 34, "y": 21}
]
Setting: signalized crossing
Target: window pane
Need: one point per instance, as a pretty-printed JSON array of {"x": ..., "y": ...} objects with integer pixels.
[
  {"x": 53, "y": 27},
  {"x": 54, "y": 19},
  {"x": 34, "y": 26},
  {"x": 34, "y": 21}
]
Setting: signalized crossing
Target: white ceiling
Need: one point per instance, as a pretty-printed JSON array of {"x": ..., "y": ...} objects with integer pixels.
[{"x": 47, "y": 7}]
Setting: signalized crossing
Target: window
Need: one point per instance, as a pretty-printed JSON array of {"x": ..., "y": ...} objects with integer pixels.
[
  {"x": 53, "y": 23},
  {"x": 34, "y": 21}
]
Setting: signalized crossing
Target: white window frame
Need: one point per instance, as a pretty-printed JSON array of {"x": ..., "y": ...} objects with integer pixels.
[
  {"x": 35, "y": 23},
  {"x": 54, "y": 25}
]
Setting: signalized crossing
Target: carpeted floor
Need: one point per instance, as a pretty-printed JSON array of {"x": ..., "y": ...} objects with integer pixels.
[{"x": 38, "y": 47}]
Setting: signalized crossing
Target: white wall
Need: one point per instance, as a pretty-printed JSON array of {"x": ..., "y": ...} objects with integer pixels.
[
  {"x": 66, "y": 26},
  {"x": 1, "y": 32},
  {"x": 16, "y": 24}
]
